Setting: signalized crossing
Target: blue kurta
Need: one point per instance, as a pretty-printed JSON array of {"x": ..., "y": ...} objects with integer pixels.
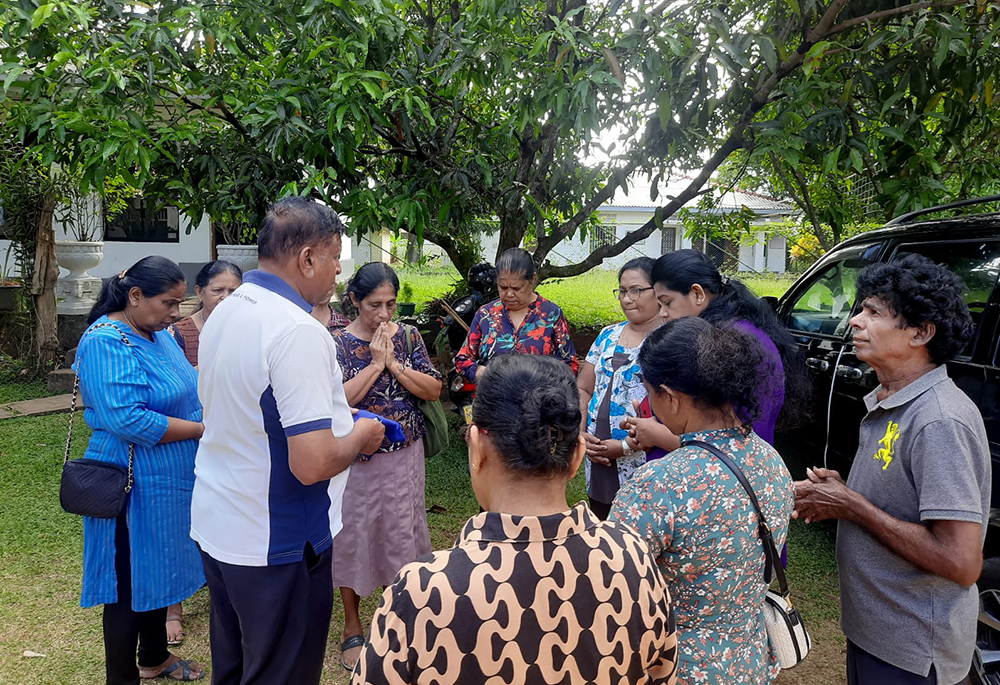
[{"x": 129, "y": 392}]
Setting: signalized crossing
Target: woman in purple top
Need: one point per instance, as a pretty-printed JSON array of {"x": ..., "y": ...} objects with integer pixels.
[{"x": 686, "y": 283}]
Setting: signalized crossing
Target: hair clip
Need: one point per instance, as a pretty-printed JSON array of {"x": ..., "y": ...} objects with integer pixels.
[
  {"x": 725, "y": 279},
  {"x": 554, "y": 435},
  {"x": 121, "y": 276}
]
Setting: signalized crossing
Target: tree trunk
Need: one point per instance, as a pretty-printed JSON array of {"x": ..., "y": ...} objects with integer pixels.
[
  {"x": 413, "y": 249},
  {"x": 43, "y": 286}
]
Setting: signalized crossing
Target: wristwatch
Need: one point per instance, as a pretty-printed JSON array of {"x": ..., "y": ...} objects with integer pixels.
[{"x": 627, "y": 451}]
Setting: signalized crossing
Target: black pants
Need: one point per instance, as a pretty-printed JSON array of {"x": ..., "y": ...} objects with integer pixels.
[
  {"x": 864, "y": 668},
  {"x": 270, "y": 624},
  {"x": 600, "y": 509},
  {"x": 123, "y": 628}
]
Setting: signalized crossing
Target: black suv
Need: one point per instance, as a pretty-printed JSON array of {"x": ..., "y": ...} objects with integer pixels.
[{"x": 817, "y": 308}]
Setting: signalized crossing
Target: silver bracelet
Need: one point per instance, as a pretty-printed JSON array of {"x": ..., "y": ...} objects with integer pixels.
[{"x": 627, "y": 450}]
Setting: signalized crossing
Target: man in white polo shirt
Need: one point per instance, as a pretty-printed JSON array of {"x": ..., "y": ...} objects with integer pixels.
[{"x": 272, "y": 464}]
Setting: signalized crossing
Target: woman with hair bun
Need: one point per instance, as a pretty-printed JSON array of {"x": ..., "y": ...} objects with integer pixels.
[
  {"x": 215, "y": 282},
  {"x": 141, "y": 398},
  {"x": 534, "y": 591},
  {"x": 692, "y": 511}
]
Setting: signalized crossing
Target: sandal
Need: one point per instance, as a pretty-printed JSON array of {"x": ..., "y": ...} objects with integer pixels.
[
  {"x": 178, "y": 635},
  {"x": 350, "y": 643},
  {"x": 186, "y": 675}
]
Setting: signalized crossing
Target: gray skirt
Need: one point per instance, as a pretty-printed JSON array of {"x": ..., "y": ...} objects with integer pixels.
[{"x": 385, "y": 520}]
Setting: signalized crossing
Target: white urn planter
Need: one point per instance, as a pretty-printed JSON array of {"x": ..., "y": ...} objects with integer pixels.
[
  {"x": 243, "y": 256},
  {"x": 79, "y": 290}
]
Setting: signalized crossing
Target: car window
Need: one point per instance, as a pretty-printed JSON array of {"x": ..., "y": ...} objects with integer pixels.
[
  {"x": 824, "y": 305},
  {"x": 976, "y": 262}
]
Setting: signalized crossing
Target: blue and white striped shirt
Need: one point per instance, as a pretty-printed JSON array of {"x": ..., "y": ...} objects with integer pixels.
[{"x": 129, "y": 392}]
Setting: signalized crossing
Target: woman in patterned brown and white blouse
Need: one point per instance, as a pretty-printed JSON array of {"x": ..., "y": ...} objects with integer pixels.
[{"x": 534, "y": 591}]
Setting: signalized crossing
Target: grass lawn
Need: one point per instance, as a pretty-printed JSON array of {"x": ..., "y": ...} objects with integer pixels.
[
  {"x": 41, "y": 548},
  {"x": 586, "y": 299}
]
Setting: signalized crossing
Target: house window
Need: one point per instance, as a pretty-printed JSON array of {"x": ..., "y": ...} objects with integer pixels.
[
  {"x": 603, "y": 236},
  {"x": 668, "y": 239},
  {"x": 144, "y": 222}
]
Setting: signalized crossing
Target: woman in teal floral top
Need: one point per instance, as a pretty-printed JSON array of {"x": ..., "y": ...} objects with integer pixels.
[{"x": 693, "y": 512}]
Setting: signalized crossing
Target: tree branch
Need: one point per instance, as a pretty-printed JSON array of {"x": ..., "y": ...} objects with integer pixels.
[
  {"x": 732, "y": 143},
  {"x": 884, "y": 14}
]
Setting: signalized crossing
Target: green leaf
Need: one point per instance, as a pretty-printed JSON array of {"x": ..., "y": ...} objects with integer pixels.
[
  {"x": 830, "y": 160},
  {"x": 959, "y": 47},
  {"x": 794, "y": 6},
  {"x": 42, "y": 14},
  {"x": 813, "y": 58},
  {"x": 856, "y": 161},
  {"x": 13, "y": 71},
  {"x": 767, "y": 52},
  {"x": 940, "y": 53}
]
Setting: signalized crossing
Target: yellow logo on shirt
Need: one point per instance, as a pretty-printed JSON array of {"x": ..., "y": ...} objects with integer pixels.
[{"x": 885, "y": 453}]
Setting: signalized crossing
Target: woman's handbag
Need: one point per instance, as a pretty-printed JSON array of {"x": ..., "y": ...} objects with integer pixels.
[
  {"x": 435, "y": 419},
  {"x": 785, "y": 628},
  {"x": 90, "y": 487}
]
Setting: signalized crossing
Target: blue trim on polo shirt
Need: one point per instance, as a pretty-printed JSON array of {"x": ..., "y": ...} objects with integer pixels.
[
  {"x": 309, "y": 427},
  {"x": 277, "y": 285},
  {"x": 298, "y": 515}
]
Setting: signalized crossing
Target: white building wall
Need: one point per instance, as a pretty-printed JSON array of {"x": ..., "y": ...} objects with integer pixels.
[{"x": 194, "y": 248}]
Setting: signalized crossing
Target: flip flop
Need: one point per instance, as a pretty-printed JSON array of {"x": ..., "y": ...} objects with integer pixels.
[
  {"x": 350, "y": 643},
  {"x": 185, "y": 673}
]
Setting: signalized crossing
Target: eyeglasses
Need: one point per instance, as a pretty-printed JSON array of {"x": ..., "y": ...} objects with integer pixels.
[{"x": 632, "y": 293}]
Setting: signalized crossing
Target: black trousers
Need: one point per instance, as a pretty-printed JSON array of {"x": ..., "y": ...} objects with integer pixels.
[
  {"x": 124, "y": 628},
  {"x": 270, "y": 624},
  {"x": 600, "y": 509},
  {"x": 864, "y": 668}
]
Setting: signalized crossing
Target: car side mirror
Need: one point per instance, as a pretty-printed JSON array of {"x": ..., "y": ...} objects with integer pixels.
[{"x": 771, "y": 301}]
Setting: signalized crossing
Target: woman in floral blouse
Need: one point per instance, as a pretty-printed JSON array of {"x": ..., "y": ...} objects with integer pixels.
[
  {"x": 610, "y": 382},
  {"x": 386, "y": 369},
  {"x": 692, "y": 511},
  {"x": 534, "y": 591},
  {"x": 520, "y": 322}
]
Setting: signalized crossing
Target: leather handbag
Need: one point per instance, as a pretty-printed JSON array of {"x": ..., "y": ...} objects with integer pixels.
[
  {"x": 91, "y": 487},
  {"x": 435, "y": 419},
  {"x": 786, "y": 630}
]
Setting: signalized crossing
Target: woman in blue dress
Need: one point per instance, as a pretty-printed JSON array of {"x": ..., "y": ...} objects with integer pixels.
[
  {"x": 692, "y": 511},
  {"x": 139, "y": 390}
]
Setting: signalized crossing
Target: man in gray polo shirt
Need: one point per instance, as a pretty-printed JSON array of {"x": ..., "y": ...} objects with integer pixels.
[{"x": 914, "y": 510}]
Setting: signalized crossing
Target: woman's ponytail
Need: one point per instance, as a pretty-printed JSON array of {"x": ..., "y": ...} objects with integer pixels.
[{"x": 153, "y": 275}]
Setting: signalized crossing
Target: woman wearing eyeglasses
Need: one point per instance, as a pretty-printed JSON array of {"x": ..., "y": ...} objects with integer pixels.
[{"x": 609, "y": 381}]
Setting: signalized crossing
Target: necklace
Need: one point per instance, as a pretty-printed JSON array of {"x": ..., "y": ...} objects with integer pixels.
[{"x": 134, "y": 327}]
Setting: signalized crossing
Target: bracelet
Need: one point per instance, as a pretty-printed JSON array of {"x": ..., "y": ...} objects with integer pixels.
[
  {"x": 402, "y": 369},
  {"x": 627, "y": 451}
]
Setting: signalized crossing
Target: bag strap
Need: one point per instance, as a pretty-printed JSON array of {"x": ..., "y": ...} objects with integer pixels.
[
  {"x": 72, "y": 408},
  {"x": 409, "y": 343},
  {"x": 772, "y": 560}
]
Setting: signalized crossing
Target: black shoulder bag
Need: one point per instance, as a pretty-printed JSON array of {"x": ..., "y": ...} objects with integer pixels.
[
  {"x": 91, "y": 487},
  {"x": 785, "y": 629}
]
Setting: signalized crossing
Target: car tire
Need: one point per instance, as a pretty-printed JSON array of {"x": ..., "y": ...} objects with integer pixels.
[{"x": 985, "y": 669}]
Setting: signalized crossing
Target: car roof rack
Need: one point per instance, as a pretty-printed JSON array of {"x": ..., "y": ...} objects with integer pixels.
[{"x": 910, "y": 216}]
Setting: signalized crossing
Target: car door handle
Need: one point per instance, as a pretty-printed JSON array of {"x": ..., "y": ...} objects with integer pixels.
[
  {"x": 818, "y": 364},
  {"x": 851, "y": 373}
]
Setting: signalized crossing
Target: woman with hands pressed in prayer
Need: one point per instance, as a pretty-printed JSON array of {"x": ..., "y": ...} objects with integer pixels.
[{"x": 386, "y": 370}]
